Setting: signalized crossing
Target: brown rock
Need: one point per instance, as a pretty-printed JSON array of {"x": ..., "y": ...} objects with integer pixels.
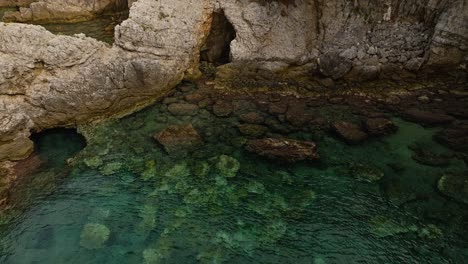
[
  {"x": 380, "y": 126},
  {"x": 182, "y": 109},
  {"x": 455, "y": 137},
  {"x": 194, "y": 98},
  {"x": 252, "y": 118},
  {"x": 283, "y": 150},
  {"x": 222, "y": 108},
  {"x": 252, "y": 130},
  {"x": 351, "y": 133},
  {"x": 454, "y": 185},
  {"x": 426, "y": 117},
  {"x": 17, "y": 149},
  {"x": 178, "y": 140}
]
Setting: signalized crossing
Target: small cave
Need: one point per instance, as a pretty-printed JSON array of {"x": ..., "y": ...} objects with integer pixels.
[
  {"x": 55, "y": 146},
  {"x": 217, "y": 47}
]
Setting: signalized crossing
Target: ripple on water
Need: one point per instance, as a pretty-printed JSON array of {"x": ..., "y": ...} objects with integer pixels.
[{"x": 158, "y": 210}]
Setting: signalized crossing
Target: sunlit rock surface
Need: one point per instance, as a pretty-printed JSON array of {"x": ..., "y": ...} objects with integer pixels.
[{"x": 49, "y": 81}]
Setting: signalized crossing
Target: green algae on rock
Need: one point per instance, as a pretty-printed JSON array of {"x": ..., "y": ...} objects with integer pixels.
[{"x": 94, "y": 236}]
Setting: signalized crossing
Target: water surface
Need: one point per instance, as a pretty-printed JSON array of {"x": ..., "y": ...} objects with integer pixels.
[{"x": 125, "y": 200}]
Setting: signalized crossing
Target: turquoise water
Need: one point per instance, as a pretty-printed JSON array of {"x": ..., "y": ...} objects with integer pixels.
[{"x": 124, "y": 200}]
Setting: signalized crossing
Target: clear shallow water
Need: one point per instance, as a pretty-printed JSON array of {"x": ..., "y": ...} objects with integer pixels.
[{"x": 147, "y": 207}]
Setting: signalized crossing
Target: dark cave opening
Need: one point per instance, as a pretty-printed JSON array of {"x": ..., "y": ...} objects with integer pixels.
[
  {"x": 217, "y": 48},
  {"x": 56, "y": 145}
]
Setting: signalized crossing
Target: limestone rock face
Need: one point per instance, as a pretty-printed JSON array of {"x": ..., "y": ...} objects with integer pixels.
[
  {"x": 63, "y": 11},
  {"x": 15, "y": 3},
  {"x": 48, "y": 80}
]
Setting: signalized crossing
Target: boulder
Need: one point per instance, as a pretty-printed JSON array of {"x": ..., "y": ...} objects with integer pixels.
[
  {"x": 252, "y": 118},
  {"x": 427, "y": 157},
  {"x": 181, "y": 109},
  {"x": 16, "y": 149},
  {"x": 222, "y": 108},
  {"x": 427, "y": 117},
  {"x": 367, "y": 173},
  {"x": 179, "y": 140},
  {"x": 94, "y": 235},
  {"x": 284, "y": 150},
  {"x": 380, "y": 126},
  {"x": 454, "y": 185},
  {"x": 227, "y": 166},
  {"x": 252, "y": 130},
  {"x": 349, "y": 132},
  {"x": 334, "y": 66},
  {"x": 455, "y": 137}
]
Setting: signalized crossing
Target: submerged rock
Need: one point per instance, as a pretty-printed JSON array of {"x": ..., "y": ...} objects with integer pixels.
[
  {"x": 227, "y": 166},
  {"x": 252, "y": 118},
  {"x": 180, "y": 109},
  {"x": 426, "y": 117},
  {"x": 93, "y": 236},
  {"x": 179, "y": 170},
  {"x": 427, "y": 157},
  {"x": 455, "y": 137},
  {"x": 366, "y": 173},
  {"x": 222, "y": 109},
  {"x": 111, "y": 168},
  {"x": 283, "y": 150},
  {"x": 454, "y": 185},
  {"x": 384, "y": 227},
  {"x": 178, "y": 140},
  {"x": 380, "y": 126},
  {"x": 252, "y": 130},
  {"x": 350, "y": 132}
]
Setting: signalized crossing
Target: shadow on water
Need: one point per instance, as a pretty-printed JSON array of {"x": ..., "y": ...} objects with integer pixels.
[{"x": 55, "y": 146}]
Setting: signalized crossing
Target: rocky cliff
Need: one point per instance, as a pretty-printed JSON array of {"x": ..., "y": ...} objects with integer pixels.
[{"x": 48, "y": 80}]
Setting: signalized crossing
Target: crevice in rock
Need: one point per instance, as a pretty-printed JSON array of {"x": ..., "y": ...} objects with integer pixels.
[
  {"x": 55, "y": 146},
  {"x": 217, "y": 48}
]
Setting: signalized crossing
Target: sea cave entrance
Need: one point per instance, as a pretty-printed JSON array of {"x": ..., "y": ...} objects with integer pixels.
[{"x": 217, "y": 48}]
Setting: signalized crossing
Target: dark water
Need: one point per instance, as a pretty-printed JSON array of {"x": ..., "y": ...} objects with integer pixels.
[{"x": 126, "y": 201}]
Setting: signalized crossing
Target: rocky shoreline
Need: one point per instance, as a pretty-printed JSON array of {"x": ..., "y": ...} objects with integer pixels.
[{"x": 289, "y": 60}]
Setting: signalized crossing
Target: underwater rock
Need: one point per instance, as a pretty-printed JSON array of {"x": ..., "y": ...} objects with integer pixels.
[
  {"x": 283, "y": 150},
  {"x": 351, "y": 133},
  {"x": 150, "y": 170},
  {"x": 383, "y": 227},
  {"x": 201, "y": 169},
  {"x": 365, "y": 173},
  {"x": 431, "y": 232},
  {"x": 147, "y": 213},
  {"x": 222, "y": 109},
  {"x": 179, "y": 170},
  {"x": 252, "y": 118},
  {"x": 380, "y": 126},
  {"x": 426, "y": 117},
  {"x": 227, "y": 166},
  {"x": 93, "y": 236},
  {"x": 180, "y": 109},
  {"x": 252, "y": 130},
  {"x": 110, "y": 168},
  {"x": 455, "y": 137},
  {"x": 93, "y": 162},
  {"x": 178, "y": 140},
  {"x": 454, "y": 185},
  {"x": 427, "y": 157}
]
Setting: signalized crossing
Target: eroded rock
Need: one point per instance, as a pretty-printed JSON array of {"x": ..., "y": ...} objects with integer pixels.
[
  {"x": 284, "y": 150},
  {"x": 349, "y": 132},
  {"x": 380, "y": 126},
  {"x": 179, "y": 140},
  {"x": 455, "y": 185}
]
